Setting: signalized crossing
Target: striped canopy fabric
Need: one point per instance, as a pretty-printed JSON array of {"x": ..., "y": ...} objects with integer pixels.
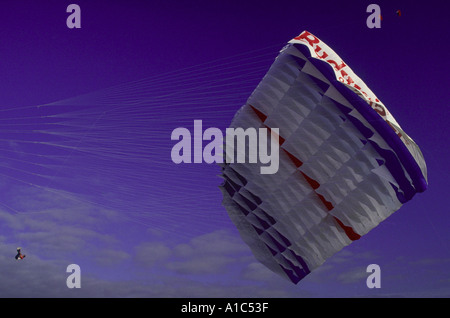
[{"x": 345, "y": 164}]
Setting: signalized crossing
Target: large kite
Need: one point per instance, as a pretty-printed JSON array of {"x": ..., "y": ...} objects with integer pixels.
[{"x": 345, "y": 164}]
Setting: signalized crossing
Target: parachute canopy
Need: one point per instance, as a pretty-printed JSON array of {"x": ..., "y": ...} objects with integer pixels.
[{"x": 345, "y": 162}]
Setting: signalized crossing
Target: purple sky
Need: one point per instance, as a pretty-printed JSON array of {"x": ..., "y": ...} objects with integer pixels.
[{"x": 87, "y": 177}]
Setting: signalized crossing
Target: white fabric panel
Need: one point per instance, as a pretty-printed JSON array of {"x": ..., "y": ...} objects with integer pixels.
[{"x": 334, "y": 153}]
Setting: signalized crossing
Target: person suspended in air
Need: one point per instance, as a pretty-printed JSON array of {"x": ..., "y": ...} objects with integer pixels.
[{"x": 19, "y": 254}]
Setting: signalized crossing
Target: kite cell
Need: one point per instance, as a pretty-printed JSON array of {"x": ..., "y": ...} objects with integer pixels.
[{"x": 345, "y": 164}]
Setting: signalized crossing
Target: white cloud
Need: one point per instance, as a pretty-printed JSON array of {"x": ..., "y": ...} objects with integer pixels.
[
  {"x": 148, "y": 253},
  {"x": 354, "y": 275},
  {"x": 210, "y": 253}
]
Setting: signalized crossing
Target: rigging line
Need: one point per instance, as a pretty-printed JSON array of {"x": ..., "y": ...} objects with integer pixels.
[
  {"x": 153, "y": 77},
  {"x": 174, "y": 80},
  {"x": 10, "y": 208},
  {"x": 178, "y": 93},
  {"x": 79, "y": 143}
]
